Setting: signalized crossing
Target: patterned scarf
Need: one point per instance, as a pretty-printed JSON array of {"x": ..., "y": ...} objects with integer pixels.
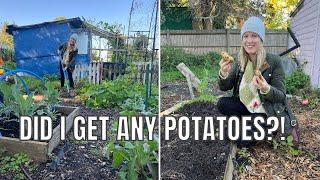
[
  {"x": 248, "y": 93},
  {"x": 66, "y": 59}
]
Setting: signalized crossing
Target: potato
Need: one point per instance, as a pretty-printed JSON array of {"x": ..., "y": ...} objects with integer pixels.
[
  {"x": 257, "y": 73},
  {"x": 226, "y": 57}
]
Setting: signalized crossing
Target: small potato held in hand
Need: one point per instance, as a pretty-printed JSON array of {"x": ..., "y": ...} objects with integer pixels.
[
  {"x": 226, "y": 57},
  {"x": 225, "y": 63},
  {"x": 257, "y": 73}
]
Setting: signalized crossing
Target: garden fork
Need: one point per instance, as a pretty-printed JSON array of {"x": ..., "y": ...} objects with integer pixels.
[{"x": 66, "y": 77}]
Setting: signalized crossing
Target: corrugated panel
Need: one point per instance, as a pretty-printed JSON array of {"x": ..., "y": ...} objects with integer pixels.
[
  {"x": 74, "y": 22},
  {"x": 82, "y": 58},
  {"x": 41, "y": 66},
  {"x": 40, "y": 41},
  {"x": 36, "y": 49},
  {"x": 47, "y": 65}
]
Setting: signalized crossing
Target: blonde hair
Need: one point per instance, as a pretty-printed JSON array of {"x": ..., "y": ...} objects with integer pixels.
[{"x": 244, "y": 57}]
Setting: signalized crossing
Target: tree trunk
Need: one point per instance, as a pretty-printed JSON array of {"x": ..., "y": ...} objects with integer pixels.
[
  {"x": 196, "y": 24},
  {"x": 196, "y": 21},
  {"x": 200, "y": 10},
  {"x": 208, "y": 10},
  {"x": 207, "y": 23}
]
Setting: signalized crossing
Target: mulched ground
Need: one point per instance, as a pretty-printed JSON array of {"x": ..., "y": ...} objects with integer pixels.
[
  {"x": 279, "y": 164},
  {"x": 193, "y": 159}
]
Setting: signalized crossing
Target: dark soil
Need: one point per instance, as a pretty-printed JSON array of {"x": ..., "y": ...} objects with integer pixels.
[
  {"x": 80, "y": 159},
  {"x": 174, "y": 92},
  {"x": 77, "y": 159},
  {"x": 10, "y": 127},
  {"x": 64, "y": 93},
  {"x": 192, "y": 159}
]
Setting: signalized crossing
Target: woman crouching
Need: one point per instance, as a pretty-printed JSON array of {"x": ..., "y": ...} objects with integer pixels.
[{"x": 257, "y": 80}]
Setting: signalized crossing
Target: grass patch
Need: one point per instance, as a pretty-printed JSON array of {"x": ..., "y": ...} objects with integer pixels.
[
  {"x": 170, "y": 76},
  {"x": 205, "y": 66},
  {"x": 209, "y": 73},
  {"x": 171, "y": 57}
]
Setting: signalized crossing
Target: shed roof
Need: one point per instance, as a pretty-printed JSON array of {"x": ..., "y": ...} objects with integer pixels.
[{"x": 74, "y": 22}]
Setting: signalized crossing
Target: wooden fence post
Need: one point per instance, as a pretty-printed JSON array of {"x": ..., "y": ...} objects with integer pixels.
[
  {"x": 188, "y": 73},
  {"x": 192, "y": 80}
]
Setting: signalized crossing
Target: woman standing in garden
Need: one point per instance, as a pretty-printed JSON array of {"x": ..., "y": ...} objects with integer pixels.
[
  {"x": 68, "y": 51},
  {"x": 257, "y": 80}
]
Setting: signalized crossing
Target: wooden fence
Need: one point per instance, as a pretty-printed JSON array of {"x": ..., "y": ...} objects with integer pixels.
[
  {"x": 112, "y": 70},
  {"x": 140, "y": 74},
  {"x": 95, "y": 72},
  {"x": 204, "y": 41}
]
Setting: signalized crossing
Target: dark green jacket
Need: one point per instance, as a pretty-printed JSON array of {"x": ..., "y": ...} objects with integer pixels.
[{"x": 274, "y": 102}]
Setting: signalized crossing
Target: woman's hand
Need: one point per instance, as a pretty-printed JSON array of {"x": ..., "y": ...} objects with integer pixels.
[
  {"x": 261, "y": 83},
  {"x": 225, "y": 67}
]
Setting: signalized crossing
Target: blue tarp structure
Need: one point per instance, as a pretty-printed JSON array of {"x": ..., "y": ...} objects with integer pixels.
[{"x": 36, "y": 46}]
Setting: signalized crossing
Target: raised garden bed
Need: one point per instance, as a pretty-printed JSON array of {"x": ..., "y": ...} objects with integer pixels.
[
  {"x": 192, "y": 159},
  {"x": 36, "y": 150}
]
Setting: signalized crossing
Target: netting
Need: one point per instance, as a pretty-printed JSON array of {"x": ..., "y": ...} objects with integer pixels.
[{"x": 143, "y": 21}]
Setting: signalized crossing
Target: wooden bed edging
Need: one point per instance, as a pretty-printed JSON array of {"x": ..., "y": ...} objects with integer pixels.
[
  {"x": 173, "y": 108},
  {"x": 228, "y": 172},
  {"x": 229, "y": 169},
  {"x": 36, "y": 150},
  {"x": 69, "y": 100}
]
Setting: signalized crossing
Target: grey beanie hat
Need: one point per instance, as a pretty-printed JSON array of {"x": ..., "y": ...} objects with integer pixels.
[
  {"x": 74, "y": 36},
  {"x": 254, "y": 24}
]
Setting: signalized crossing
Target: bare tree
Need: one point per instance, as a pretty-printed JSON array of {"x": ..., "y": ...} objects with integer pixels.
[
  {"x": 207, "y": 14},
  {"x": 203, "y": 13}
]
